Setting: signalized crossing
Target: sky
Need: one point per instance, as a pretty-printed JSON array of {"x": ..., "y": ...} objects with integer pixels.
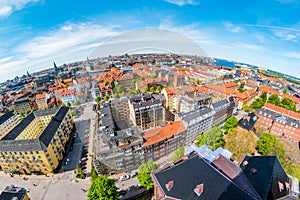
[{"x": 34, "y": 33}]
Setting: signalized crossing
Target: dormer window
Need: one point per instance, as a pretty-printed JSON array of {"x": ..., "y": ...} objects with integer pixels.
[{"x": 199, "y": 189}]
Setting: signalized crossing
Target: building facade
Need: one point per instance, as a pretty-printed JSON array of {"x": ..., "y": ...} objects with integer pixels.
[
  {"x": 7, "y": 122},
  {"x": 37, "y": 144},
  {"x": 197, "y": 122},
  {"x": 161, "y": 141},
  {"x": 145, "y": 111}
]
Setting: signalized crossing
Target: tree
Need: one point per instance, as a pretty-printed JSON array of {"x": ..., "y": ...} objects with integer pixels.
[
  {"x": 144, "y": 174},
  {"x": 268, "y": 144},
  {"x": 288, "y": 103},
  {"x": 284, "y": 91},
  {"x": 77, "y": 102},
  {"x": 274, "y": 99},
  {"x": 240, "y": 143},
  {"x": 103, "y": 188},
  {"x": 130, "y": 92},
  {"x": 68, "y": 104},
  {"x": 230, "y": 123},
  {"x": 105, "y": 98},
  {"x": 165, "y": 86},
  {"x": 120, "y": 88},
  {"x": 106, "y": 82},
  {"x": 213, "y": 138},
  {"x": 112, "y": 83},
  {"x": 153, "y": 76},
  {"x": 138, "y": 91},
  {"x": 54, "y": 106},
  {"x": 158, "y": 88},
  {"x": 179, "y": 152},
  {"x": 116, "y": 95},
  {"x": 98, "y": 99},
  {"x": 146, "y": 89},
  {"x": 264, "y": 96},
  {"x": 152, "y": 89}
]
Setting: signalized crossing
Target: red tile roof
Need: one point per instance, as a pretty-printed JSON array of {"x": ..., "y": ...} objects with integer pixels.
[
  {"x": 282, "y": 110},
  {"x": 161, "y": 133}
]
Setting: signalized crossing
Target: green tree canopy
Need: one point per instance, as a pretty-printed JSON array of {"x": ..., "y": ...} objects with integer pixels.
[
  {"x": 98, "y": 99},
  {"x": 264, "y": 96},
  {"x": 240, "y": 143},
  {"x": 153, "y": 76},
  {"x": 68, "y": 104},
  {"x": 152, "y": 89},
  {"x": 284, "y": 91},
  {"x": 120, "y": 88},
  {"x": 138, "y": 91},
  {"x": 288, "y": 103},
  {"x": 158, "y": 88},
  {"x": 268, "y": 144},
  {"x": 105, "y": 98},
  {"x": 274, "y": 99},
  {"x": 230, "y": 123},
  {"x": 116, "y": 95},
  {"x": 77, "y": 102},
  {"x": 103, "y": 188},
  {"x": 146, "y": 89},
  {"x": 177, "y": 154},
  {"x": 144, "y": 174},
  {"x": 213, "y": 138}
]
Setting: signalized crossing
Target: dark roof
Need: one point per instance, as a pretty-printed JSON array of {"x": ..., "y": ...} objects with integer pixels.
[
  {"x": 11, "y": 192},
  {"x": 203, "y": 112},
  {"x": 266, "y": 174},
  {"x": 52, "y": 127},
  {"x": 14, "y": 133},
  {"x": 45, "y": 112},
  {"x": 235, "y": 174},
  {"x": 248, "y": 122},
  {"x": 267, "y": 113},
  {"x": 188, "y": 174},
  {"x": 8, "y": 143},
  {"x": 5, "y": 117},
  {"x": 220, "y": 105}
]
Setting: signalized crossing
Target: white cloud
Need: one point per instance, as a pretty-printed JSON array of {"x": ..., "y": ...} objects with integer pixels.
[
  {"x": 183, "y": 2},
  {"x": 70, "y": 42},
  {"x": 5, "y": 11},
  {"x": 247, "y": 46},
  {"x": 231, "y": 27},
  {"x": 287, "y": 35},
  {"x": 295, "y": 55},
  {"x": 9, "y": 6}
]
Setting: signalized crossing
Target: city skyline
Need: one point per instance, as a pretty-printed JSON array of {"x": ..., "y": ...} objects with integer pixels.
[{"x": 35, "y": 33}]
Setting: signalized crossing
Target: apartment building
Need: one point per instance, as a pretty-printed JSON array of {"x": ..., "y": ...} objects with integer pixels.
[
  {"x": 12, "y": 192},
  {"x": 41, "y": 101},
  {"x": 118, "y": 146},
  {"x": 194, "y": 101},
  {"x": 23, "y": 105},
  {"x": 37, "y": 144},
  {"x": 7, "y": 122},
  {"x": 146, "y": 111},
  {"x": 197, "y": 122},
  {"x": 279, "y": 123},
  {"x": 163, "y": 140},
  {"x": 221, "y": 111}
]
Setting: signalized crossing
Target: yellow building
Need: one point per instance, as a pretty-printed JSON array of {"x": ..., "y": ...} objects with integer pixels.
[
  {"x": 37, "y": 144},
  {"x": 8, "y": 121}
]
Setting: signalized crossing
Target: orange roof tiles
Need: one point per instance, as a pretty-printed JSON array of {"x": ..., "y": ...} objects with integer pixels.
[
  {"x": 67, "y": 93},
  {"x": 40, "y": 96},
  {"x": 161, "y": 133},
  {"x": 282, "y": 110}
]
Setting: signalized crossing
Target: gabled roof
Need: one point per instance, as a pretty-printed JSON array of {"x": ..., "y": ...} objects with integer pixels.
[
  {"x": 266, "y": 175},
  {"x": 247, "y": 122},
  {"x": 195, "y": 171},
  {"x": 5, "y": 117}
]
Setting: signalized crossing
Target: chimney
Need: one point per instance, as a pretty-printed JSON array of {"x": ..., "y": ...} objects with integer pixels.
[
  {"x": 253, "y": 171},
  {"x": 199, "y": 189},
  {"x": 170, "y": 185}
]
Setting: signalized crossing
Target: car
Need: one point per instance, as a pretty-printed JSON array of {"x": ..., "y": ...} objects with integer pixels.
[
  {"x": 133, "y": 174},
  {"x": 82, "y": 164},
  {"x": 122, "y": 192},
  {"x": 124, "y": 177},
  {"x": 83, "y": 167},
  {"x": 83, "y": 159},
  {"x": 84, "y": 148}
]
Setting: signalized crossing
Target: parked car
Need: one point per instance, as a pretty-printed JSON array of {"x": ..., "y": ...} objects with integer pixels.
[
  {"x": 83, "y": 167},
  {"x": 133, "y": 174},
  {"x": 82, "y": 164},
  {"x": 83, "y": 159},
  {"x": 124, "y": 177},
  {"x": 122, "y": 192}
]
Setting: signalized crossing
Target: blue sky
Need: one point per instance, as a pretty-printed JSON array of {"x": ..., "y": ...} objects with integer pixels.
[{"x": 34, "y": 33}]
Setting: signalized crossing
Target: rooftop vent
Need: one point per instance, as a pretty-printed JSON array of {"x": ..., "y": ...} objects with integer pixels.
[
  {"x": 253, "y": 171},
  {"x": 199, "y": 189},
  {"x": 281, "y": 186},
  {"x": 170, "y": 185},
  {"x": 245, "y": 163}
]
